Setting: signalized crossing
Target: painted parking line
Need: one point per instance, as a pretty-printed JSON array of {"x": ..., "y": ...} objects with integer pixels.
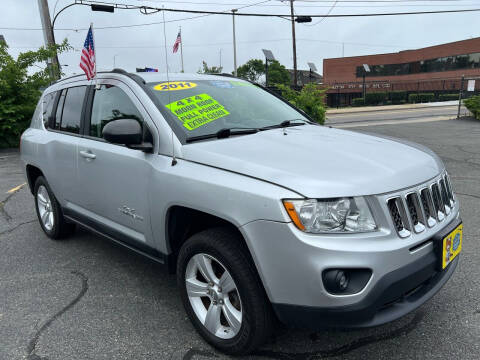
[
  {"x": 392, "y": 122},
  {"x": 16, "y": 188}
]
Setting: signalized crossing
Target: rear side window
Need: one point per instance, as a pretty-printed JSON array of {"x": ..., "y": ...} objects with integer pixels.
[
  {"x": 111, "y": 103},
  {"x": 47, "y": 106},
  {"x": 72, "y": 109},
  {"x": 58, "y": 114}
]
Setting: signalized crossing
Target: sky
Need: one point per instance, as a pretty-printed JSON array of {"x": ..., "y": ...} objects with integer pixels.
[{"x": 209, "y": 38}]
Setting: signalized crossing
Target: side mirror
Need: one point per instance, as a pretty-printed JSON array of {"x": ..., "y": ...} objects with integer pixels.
[{"x": 126, "y": 132}]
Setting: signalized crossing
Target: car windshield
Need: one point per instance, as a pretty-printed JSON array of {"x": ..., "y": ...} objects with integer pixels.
[{"x": 202, "y": 107}]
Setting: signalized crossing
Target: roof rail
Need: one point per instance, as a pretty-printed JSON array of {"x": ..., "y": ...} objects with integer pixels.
[{"x": 134, "y": 77}]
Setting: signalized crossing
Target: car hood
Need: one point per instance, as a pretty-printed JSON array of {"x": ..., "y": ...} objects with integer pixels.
[{"x": 317, "y": 161}]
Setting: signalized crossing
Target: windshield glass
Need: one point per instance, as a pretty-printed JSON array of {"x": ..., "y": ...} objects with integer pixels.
[{"x": 206, "y": 106}]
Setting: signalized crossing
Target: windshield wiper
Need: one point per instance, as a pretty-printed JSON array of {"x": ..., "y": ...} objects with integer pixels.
[
  {"x": 286, "y": 123},
  {"x": 223, "y": 133}
]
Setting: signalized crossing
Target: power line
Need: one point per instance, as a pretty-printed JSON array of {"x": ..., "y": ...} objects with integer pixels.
[{"x": 207, "y": 13}]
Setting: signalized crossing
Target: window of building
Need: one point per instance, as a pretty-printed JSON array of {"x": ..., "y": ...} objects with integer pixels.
[
  {"x": 72, "y": 109},
  {"x": 111, "y": 103},
  {"x": 447, "y": 63}
]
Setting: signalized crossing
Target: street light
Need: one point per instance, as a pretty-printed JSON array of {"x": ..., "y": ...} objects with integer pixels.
[
  {"x": 94, "y": 7},
  {"x": 366, "y": 69},
  {"x": 268, "y": 57}
]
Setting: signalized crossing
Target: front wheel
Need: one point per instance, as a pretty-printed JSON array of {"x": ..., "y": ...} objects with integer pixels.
[{"x": 222, "y": 293}]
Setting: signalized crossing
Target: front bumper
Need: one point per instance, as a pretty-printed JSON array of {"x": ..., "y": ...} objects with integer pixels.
[
  {"x": 394, "y": 296},
  {"x": 404, "y": 274}
]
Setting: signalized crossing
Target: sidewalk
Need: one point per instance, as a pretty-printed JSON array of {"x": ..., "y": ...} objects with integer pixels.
[{"x": 349, "y": 110}]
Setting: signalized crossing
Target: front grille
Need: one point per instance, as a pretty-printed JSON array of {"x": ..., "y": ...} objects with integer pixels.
[{"x": 421, "y": 208}]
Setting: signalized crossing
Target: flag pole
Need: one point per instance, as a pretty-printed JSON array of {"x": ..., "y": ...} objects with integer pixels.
[
  {"x": 181, "y": 48},
  {"x": 95, "y": 51}
]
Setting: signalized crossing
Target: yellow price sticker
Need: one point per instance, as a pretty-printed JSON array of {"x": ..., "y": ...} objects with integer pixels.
[
  {"x": 197, "y": 110},
  {"x": 175, "y": 85}
]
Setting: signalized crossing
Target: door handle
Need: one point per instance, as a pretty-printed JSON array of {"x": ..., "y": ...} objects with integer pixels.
[{"x": 88, "y": 155}]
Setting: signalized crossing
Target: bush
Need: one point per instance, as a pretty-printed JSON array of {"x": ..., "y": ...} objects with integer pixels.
[
  {"x": 398, "y": 97},
  {"x": 473, "y": 105},
  {"x": 357, "y": 102},
  {"x": 375, "y": 98},
  {"x": 310, "y": 99},
  {"x": 421, "y": 98},
  {"x": 20, "y": 89},
  {"x": 447, "y": 97}
]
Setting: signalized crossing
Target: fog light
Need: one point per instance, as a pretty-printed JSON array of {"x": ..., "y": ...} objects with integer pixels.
[
  {"x": 345, "y": 281},
  {"x": 341, "y": 280}
]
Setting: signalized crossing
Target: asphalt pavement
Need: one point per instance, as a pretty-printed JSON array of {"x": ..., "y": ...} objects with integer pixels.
[{"x": 86, "y": 298}]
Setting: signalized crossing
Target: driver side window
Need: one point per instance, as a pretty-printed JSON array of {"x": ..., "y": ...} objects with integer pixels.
[{"x": 111, "y": 103}]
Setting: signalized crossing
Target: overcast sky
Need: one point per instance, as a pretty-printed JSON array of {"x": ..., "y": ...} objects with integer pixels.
[{"x": 204, "y": 38}]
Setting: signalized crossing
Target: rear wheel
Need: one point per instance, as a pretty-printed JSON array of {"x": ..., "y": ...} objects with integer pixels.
[
  {"x": 222, "y": 293},
  {"x": 49, "y": 211}
]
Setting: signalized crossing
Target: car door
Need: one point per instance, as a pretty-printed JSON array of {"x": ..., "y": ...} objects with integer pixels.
[{"x": 113, "y": 179}]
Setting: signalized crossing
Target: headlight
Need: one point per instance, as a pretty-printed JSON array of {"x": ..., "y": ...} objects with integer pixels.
[{"x": 341, "y": 215}]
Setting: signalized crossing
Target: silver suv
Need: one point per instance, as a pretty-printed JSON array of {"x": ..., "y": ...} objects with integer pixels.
[{"x": 260, "y": 212}]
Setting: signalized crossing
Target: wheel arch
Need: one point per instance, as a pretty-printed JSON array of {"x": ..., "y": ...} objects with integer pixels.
[
  {"x": 33, "y": 172},
  {"x": 182, "y": 222}
]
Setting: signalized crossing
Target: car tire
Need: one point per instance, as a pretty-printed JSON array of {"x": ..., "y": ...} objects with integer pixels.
[
  {"x": 49, "y": 212},
  {"x": 227, "y": 254}
]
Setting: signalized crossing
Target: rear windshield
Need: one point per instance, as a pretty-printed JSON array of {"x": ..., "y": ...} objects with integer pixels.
[{"x": 206, "y": 106}]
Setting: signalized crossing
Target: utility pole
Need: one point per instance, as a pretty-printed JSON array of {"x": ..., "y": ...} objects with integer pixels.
[
  {"x": 49, "y": 37},
  {"x": 234, "y": 44},
  {"x": 294, "y": 45}
]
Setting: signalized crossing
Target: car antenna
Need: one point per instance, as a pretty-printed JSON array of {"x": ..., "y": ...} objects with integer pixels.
[{"x": 174, "y": 159}]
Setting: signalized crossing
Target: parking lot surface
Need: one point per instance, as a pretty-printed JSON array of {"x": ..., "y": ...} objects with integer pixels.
[{"x": 86, "y": 298}]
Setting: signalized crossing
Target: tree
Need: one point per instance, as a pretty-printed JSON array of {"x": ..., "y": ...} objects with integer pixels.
[
  {"x": 278, "y": 74},
  {"x": 210, "y": 70},
  {"x": 310, "y": 99},
  {"x": 20, "y": 91},
  {"x": 254, "y": 69}
]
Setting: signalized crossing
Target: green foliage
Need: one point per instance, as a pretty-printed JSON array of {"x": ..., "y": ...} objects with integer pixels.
[
  {"x": 251, "y": 70},
  {"x": 210, "y": 70},
  {"x": 278, "y": 74},
  {"x": 358, "y": 102},
  {"x": 310, "y": 99},
  {"x": 447, "y": 97},
  {"x": 20, "y": 90},
  {"x": 421, "y": 98},
  {"x": 255, "y": 68},
  {"x": 375, "y": 98},
  {"x": 473, "y": 105},
  {"x": 398, "y": 97}
]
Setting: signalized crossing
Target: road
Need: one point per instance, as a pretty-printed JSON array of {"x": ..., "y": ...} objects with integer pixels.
[
  {"x": 351, "y": 119},
  {"x": 85, "y": 298}
]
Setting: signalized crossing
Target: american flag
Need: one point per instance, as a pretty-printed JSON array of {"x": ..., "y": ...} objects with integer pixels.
[
  {"x": 177, "y": 42},
  {"x": 87, "y": 61}
]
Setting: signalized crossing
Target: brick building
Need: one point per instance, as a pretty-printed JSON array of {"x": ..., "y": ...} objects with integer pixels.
[{"x": 435, "y": 69}]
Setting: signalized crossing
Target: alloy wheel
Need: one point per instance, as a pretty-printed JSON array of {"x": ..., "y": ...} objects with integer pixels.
[
  {"x": 214, "y": 296},
  {"x": 45, "y": 209}
]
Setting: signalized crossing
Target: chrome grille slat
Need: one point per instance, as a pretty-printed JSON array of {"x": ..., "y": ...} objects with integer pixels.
[
  {"x": 416, "y": 212},
  {"x": 399, "y": 216}
]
